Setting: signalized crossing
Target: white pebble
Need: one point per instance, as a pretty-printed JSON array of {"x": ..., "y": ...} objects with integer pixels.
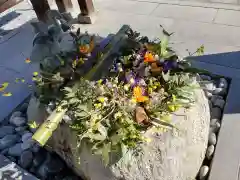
[
  {"x": 213, "y": 122},
  {"x": 209, "y": 86},
  {"x": 212, "y": 139},
  {"x": 215, "y": 128},
  {"x": 223, "y": 83},
  {"x": 209, "y": 152},
  {"x": 208, "y": 94},
  {"x": 203, "y": 172}
]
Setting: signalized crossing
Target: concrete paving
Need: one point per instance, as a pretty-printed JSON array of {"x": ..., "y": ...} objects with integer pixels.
[{"x": 213, "y": 23}]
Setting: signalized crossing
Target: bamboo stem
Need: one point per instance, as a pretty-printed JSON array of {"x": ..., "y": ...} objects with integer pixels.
[{"x": 45, "y": 131}]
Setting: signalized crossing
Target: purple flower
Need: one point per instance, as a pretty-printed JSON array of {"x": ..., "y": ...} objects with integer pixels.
[
  {"x": 169, "y": 65},
  {"x": 131, "y": 79}
]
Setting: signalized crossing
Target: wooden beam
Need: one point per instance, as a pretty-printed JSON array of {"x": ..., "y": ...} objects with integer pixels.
[
  {"x": 41, "y": 7},
  {"x": 86, "y": 7}
]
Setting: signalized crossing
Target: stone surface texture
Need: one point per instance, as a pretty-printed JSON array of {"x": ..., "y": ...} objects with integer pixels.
[{"x": 176, "y": 154}]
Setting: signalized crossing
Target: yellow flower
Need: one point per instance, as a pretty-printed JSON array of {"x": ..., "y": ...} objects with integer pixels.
[
  {"x": 174, "y": 98},
  {"x": 172, "y": 108},
  {"x": 138, "y": 94},
  {"x": 7, "y": 94},
  {"x": 35, "y": 73},
  {"x": 27, "y": 61},
  {"x": 3, "y": 86},
  {"x": 101, "y": 99},
  {"x": 98, "y": 105}
]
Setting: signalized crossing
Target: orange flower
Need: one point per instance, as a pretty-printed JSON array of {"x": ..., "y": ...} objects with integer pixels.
[
  {"x": 27, "y": 60},
  {"x": 148, "y": 57},
  {"x": 138, "y": 94},
  {"x": 87, "y": 48},
  {"x": 84, "y": 49}
]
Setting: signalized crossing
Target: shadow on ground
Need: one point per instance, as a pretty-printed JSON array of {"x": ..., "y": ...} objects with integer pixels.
[{"x": 6, "y": 19}]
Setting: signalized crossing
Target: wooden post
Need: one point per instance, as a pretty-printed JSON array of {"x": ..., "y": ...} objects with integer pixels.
[
  {"x": 40, "y": 7},
  {"x": 64, "y": 5},
  {"x": 86, "y": 7},
  {"x": 87, "y": 11}
]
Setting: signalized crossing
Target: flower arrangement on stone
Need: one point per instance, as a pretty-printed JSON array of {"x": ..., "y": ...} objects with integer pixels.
[{"x": 146, "y": 82}]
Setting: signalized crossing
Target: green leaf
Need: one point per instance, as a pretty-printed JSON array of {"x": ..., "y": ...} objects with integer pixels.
[
  {"x": 166, "y": 76},
  {"x": 97, "y": 137},
  {"x": 68, "y": 89},
  {"x": 33, "y": 124},
  {"x": 81, "y": 114},
  {"x": 3, "y": 86},
  {"x": 102, "y": 129},
  {"x": 74, "y": 101},
  {"x": 200, "y": 50},
  {"x": 124, "y": 149},
  {"x": 70, "y": 95},
  {"x": 164, "y": 45},
  {"x": 105, "y": 153},
  {"x": 82, "y": 107}
]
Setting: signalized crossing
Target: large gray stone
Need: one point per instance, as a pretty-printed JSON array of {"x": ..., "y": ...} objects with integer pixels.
[
  {"x": 26, "y": 136},
  {"x": 176, "y": 154},
  {"x": 11, "y": 171},
  {"x": 8, "y": 141},
  {"x": 26, "y": 159},
  {"x": 28, "y": 144},
  {"x": 15, "y": 150},
  {"x": 39, "y": 158},
  {"x": 5, "y": 130}
]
